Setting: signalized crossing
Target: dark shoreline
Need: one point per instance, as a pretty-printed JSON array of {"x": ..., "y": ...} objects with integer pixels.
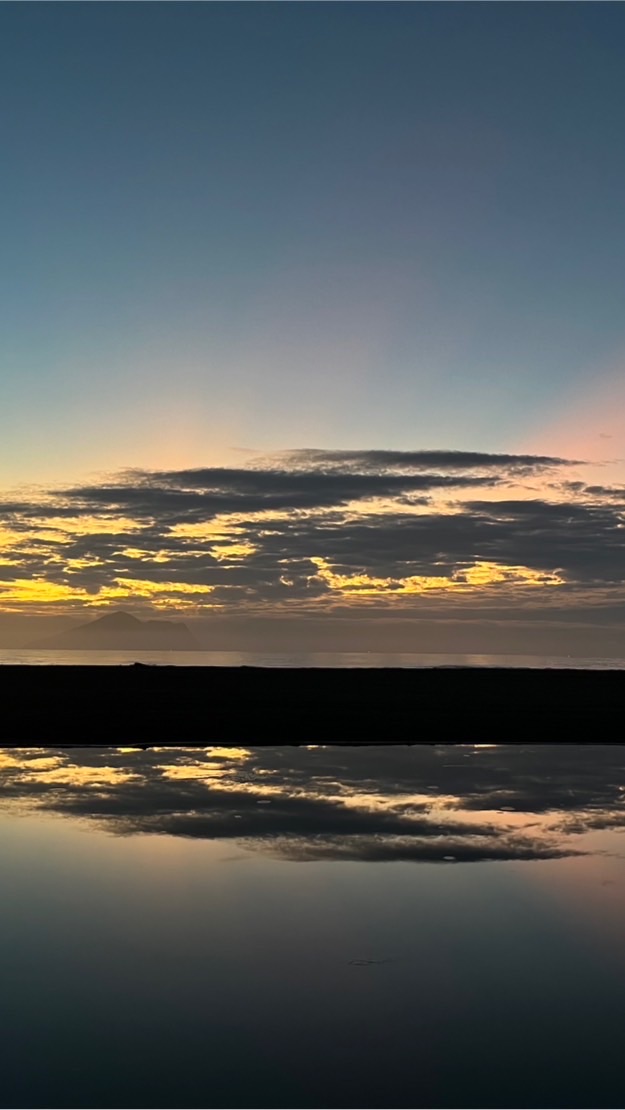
[{"x": 135, "y": 704}]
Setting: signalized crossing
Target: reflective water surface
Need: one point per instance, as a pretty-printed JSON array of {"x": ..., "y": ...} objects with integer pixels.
[{"x": 313, "y": 927}]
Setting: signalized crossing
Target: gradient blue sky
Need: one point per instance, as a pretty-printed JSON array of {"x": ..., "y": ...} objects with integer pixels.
[
  {"x": 229, "y": 230},
  {"x": 279, "y": 225}
]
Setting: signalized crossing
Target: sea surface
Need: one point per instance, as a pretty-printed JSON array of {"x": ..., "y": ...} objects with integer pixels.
[
  {"x": 313, "y": 927},
  {"x": 298, "y": 659}
]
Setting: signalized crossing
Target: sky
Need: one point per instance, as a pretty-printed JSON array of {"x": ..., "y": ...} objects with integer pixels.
[{"x": 315, "y": 311}]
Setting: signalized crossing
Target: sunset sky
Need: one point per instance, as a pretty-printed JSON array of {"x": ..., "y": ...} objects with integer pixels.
[{"x": 313, "y": 313}]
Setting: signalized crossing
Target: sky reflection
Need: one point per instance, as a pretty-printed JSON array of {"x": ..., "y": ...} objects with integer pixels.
[
  {"x": 193, "y": 927},
  {"x": 437, "y": 804}
]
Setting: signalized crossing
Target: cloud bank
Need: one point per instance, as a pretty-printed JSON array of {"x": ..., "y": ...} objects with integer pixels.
[{"x": 312, "y": 530}]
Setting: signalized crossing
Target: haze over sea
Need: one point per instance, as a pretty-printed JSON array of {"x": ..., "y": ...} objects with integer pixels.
[{"x": 32, "y": 657}]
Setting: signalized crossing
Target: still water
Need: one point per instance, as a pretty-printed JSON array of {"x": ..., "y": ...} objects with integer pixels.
[{"x": 313, "y": 927}]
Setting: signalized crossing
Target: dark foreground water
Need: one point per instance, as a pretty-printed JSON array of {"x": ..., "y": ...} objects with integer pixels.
[{"x": 315, "y": 927}]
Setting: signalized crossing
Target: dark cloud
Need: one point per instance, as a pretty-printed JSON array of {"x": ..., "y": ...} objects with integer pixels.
[
  {"x": 275, "y": 535},
  {"x": 177, "y": 496},
  {"x": 617, "y": 492},
  {"x": 304, "y": 479},
  {"x": 440, "y": 460},
  {"x": 584, "y": 543}
]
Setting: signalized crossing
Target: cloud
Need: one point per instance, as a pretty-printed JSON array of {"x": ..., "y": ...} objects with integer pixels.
[
  {"x": 616, "y": 492},
  {"x": 372, "y": 460},
  {"x": 315, "y": 529}
]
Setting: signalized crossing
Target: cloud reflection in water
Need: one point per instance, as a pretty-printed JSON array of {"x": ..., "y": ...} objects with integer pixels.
[{"x": 435, "y": 804}]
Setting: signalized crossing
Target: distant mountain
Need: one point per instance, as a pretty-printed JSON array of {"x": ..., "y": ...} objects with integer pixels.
[{"x": 121, "y": 632}]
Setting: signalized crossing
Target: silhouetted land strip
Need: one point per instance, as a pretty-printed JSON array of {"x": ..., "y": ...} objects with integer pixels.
[{"x": 254, "y": 705}]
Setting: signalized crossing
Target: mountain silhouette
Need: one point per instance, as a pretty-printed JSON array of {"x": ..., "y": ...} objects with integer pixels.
[{"x": 121, "y": 632}]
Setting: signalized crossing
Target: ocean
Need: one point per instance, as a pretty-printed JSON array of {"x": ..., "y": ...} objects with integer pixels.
[{"x": 29, "y": 657}]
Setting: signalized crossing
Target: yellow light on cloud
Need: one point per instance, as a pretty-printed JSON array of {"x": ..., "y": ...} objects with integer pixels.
[
  {"x": 232, "y": 551},
  {"x": 87, "y": 525},
  {"x": 479, "y": 576},
  {"x": 36, "y": 591},
  {"x": 150, "y": 556}
]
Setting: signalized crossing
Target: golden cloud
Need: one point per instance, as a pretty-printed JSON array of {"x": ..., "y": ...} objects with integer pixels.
[{"x": 479, "y": 576}]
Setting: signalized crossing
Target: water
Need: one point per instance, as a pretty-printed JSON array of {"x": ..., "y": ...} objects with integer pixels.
[
  {"x": 299, "y": 659},
  {"x": 313, "y": 927}
]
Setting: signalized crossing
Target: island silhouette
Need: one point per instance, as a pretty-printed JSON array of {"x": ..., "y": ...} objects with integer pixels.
[{"x": 121, "y": 631}]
